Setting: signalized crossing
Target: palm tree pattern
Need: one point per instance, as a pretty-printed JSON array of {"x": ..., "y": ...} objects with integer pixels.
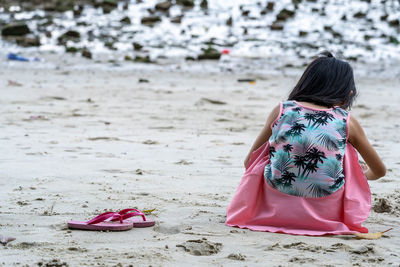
[
  {"x": 287, "y": 148},
  {"x": 307, "y": 150}
]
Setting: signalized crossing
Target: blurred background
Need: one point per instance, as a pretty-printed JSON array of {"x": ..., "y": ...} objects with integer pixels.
[{"x": 239, "y": 35}]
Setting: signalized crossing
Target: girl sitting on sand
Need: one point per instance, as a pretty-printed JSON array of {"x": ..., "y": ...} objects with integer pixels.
[{"x": 302, "y": 172}]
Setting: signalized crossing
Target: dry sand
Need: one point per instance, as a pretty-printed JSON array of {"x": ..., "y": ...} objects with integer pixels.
[{"x": 77, "y": 142}]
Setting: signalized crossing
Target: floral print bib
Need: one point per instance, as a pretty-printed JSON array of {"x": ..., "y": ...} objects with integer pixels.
[{"x": 306, "y": 150}]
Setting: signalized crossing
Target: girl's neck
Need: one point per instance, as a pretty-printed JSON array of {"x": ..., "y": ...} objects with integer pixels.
[{"x": 312, "y": 105}]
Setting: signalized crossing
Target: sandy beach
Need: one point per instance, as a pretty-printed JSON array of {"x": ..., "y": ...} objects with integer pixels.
[{"x": 77, "y": 142}]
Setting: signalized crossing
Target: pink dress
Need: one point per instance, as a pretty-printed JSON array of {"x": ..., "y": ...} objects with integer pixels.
[{"x": 258, "y": 206}]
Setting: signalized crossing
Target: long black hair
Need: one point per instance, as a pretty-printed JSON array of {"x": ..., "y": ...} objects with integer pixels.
[{"x": 327, "y": 81}]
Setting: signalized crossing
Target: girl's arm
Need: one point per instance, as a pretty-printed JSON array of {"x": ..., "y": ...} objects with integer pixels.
[
  {"x": 357, "y": 137},
  {"x": 265, "y": 133}
]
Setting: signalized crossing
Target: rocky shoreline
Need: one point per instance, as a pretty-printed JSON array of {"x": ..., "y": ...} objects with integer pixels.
[{"x": 152, "y": 31}]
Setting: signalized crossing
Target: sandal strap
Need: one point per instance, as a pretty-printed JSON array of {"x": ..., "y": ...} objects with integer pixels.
[
  {"x": 133, "y": 214},
  {"x": 103, "y": 217},
  {"x": 129, "y": 215},
  {"x": 136, "y": 212},
  {"x": 114, "y": 216},
  {"x": 128, "y": 210}
]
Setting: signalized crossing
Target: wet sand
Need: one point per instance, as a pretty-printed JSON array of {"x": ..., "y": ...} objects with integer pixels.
[{"x": 78, "y": 142}]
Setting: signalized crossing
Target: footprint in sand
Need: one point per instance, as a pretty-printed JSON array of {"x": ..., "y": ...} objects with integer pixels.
[
  {"x": 27, "y": 245},
  {"x": 77, "y": 249},
  {"x": 237, "y": 129},
  {"x": 59, "y": 98},
  {"x": 237, "y": 256},
  {"x": 103, "y": 138},
  {"x": 222, "y": 120},
  {"x": 382, "y": 205},
  {"x": 183, "y": 162},
  {"x": 150, "y": 142},
  {"x": 168, "y": 230},
  {"x": 201, "y": 247},
  {"x": 237, "y": 143},
  {"x": 210, "y": 101},
  {"x": 364, "y": 250},
  {"x": 53, "y": 263},
  {"x": 302, "y": 260}
]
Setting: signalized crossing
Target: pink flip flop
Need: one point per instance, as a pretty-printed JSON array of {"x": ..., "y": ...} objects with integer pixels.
[
  {"x": 104, "y": 222},
  {"x": 137, "y": 222}
]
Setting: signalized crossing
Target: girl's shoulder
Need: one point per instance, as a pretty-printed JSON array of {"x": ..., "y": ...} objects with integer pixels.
[
  {"x": 341, "y": 111},
  {"x": 288, "y": 103}
]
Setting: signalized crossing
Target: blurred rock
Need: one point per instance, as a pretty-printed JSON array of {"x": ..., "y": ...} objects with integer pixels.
[
  {"x": 352, "y": 58},
  {"x": 204, "y": 4},
  {"x": 70, "y": 35},
  {"x": 47, "y": 22},
  {"x": 177, "y": 19},
  {"x": 150, "y": 20},
  {"x": 394, "y": 22},
  {"x": 303, "y": 33},
  {"x": 126, "y": 20},
  {"x": 229, "y": 21},
  {"x": 360, "y": 15},
  {"x": 209, "y": 53},
  {"x": 284, "y": 14},
  {"x": 58, "y": 5},
  {"x": 82, "y": 23},
  {"x": 333, "y": 32},
  {"x": 137, "y": 46},
  {"x": 78, "y": 10},
  {"x": 245, "y": 13},
  {"x": 71, "y": 49},
  {"x": 276, "y": 26},
  {"x": 367, "y": 37},
  {"x": 141, "y": 59},
  {"x": 151, "y": 11},
  {"x": 270, "y": 6},
  {"x": 108, "y": 5},
  {"x": 27, "y": 41},
  {"x": 15, "y": 29},
  {"x": 110, "y": 45},
  {"x": 163, "y": 6},
  {"x": 87, "y": 54},
  {"x": 185, "y": 3},
  {"x": 394, "y": 40},
  {"x": 308, "y": 45}
]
